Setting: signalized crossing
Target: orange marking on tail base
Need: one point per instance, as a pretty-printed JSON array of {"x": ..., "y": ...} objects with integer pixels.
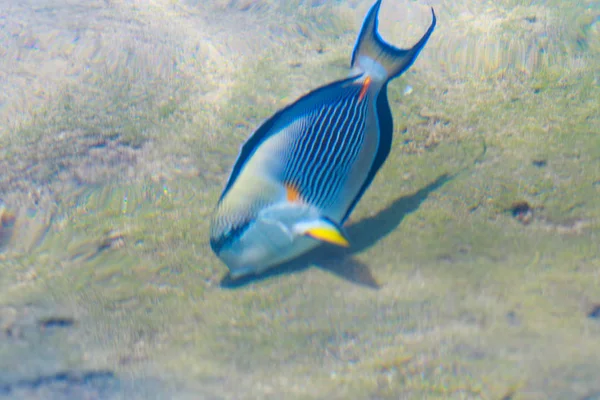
[{"x": 364, "y": 88}]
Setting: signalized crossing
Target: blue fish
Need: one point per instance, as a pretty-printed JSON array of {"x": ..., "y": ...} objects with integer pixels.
[{"x": 301, "y": 173}]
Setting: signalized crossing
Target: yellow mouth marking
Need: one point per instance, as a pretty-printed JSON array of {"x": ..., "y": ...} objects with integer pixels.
[{"x": 329, "y": 235}]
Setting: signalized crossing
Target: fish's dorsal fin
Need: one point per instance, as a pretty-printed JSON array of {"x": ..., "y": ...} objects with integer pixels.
[
  {"x": 247, "y": 149},
  {"x": 374, "y": 56},
  {"x": 323, "y": 229}
]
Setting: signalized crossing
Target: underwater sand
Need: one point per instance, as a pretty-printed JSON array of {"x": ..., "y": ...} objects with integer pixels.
[{"x": 475, "y": 266}]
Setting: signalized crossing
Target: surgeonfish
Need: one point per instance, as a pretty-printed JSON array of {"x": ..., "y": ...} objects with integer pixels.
[{"x": 301, "y": 173}]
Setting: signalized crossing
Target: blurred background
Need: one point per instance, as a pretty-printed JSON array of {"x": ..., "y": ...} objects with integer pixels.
[{"x": 474, "y": 270}]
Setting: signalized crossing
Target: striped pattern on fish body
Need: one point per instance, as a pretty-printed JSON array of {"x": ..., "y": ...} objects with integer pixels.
[
  {"x": 314, "y": 155},
  {"x": 302, "y": 172}
]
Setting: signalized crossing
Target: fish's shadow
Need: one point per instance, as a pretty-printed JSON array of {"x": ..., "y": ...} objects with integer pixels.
[{"x": 363, "y": 234}]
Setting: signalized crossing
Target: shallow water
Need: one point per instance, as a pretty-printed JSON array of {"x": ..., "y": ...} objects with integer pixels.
[{"x": 474, "y": 270}]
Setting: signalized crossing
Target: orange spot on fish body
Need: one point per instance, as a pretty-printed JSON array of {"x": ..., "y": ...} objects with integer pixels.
[
  {"x": 292, "y": 194},
  {"x": 364, "y": 88}
]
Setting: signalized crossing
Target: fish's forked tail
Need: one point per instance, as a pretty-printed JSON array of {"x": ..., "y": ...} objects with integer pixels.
[{"x": 379, "y": 59}]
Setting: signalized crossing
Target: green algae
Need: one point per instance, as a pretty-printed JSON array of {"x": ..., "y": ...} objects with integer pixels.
[{"x": 472, "y": 302}]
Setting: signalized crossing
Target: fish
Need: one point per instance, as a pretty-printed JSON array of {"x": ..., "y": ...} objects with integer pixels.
[{"x": 301, "y": 173}]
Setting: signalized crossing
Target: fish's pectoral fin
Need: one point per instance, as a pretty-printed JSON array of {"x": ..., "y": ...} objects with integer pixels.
[
  {"x": 282, "y": 227},
  {"x": 323, "y": 229}
]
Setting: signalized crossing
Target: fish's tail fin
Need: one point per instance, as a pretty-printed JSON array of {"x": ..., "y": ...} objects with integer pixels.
[{"x": 379, "y": 59}]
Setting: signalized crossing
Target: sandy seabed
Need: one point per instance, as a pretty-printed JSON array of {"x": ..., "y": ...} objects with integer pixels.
[{"x": 474, "y": 270}]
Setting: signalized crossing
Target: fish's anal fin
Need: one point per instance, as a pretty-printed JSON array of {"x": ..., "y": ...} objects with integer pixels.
[
  {"x": 292, "y": 193},
  {"x": 323, "y": 229},
  {"x": 365, "y": 87}
]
